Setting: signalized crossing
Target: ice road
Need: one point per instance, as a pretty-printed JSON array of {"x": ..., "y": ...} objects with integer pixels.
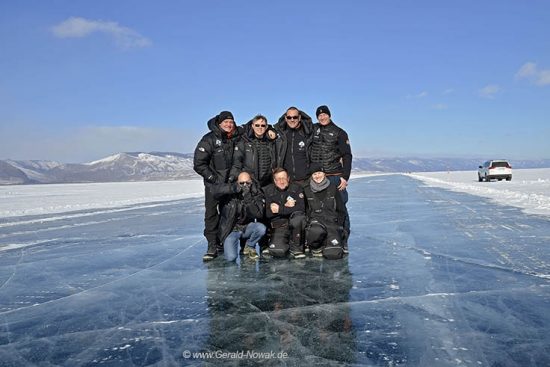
[{"x": 433, "y": 278}]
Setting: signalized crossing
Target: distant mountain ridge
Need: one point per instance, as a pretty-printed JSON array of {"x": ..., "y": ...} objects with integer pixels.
[
  {"x": 155, "y": 166},
  {"x": 435, "y": 164},
  {"x": 131, "y": 166}
]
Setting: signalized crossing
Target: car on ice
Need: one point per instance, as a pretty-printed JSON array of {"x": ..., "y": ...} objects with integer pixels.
[{"x": 495, "y": 169}]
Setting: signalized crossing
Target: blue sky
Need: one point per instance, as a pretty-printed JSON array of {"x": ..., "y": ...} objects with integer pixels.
[{"x": 80, "y": 80}]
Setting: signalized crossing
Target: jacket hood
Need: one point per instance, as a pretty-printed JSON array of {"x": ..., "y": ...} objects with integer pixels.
[
  {"x": 306, "y": 121},
  {"x": 215, "y": 127}
]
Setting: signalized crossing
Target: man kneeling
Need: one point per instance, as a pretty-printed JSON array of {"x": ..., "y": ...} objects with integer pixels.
[
  {"x": 285, "y": 211},
  {"x": 241, "y": 203},
  {"x": 326, "y": 213}
]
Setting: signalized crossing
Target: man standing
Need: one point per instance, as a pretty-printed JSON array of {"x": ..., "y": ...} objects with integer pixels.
[
  {"x": 294, "y": 136},
  {"x": 213, "y": 160},
  {"x": 256, "y": 152},
  {"x": 241, "y": 205},
  {"x": 331, "y": 149},
  {"x": 285, "y": 207}
]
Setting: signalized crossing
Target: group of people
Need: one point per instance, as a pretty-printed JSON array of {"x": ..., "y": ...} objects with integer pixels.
[{"x": 282, "y": 187}]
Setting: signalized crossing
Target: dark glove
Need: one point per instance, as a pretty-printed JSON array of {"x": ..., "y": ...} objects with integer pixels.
[
  {"x": 245, "y": 189},
  {"x": 213, "y": 179},
  {"x": 235, "y": 188}
]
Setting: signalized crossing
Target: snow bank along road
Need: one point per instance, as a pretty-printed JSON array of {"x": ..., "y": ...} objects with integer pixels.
[{"x": 529, "y": 188}]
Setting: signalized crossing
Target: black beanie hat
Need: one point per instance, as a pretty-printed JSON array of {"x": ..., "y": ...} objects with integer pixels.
[
  {"x": 224, "y": 115},
  {"x": 322, "y": 109},
  {"x": 315, "y": 167}
]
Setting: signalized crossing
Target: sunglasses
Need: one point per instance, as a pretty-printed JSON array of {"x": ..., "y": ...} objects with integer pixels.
[
  {"x": 292, "y": 117},
  {"x": 245, "y": 183},
  {"x": 258, "y": 125}
]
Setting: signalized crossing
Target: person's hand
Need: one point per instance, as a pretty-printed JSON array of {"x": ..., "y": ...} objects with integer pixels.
[
  {"x": 274, "y": 208},
  {"x": 245, "y": 189},
  {"x": 343, "y": 184},
  {"x": 235, "y": 188},
  {"x": 290, "y": 202}
]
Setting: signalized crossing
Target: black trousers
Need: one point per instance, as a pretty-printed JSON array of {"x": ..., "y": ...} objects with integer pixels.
[
  {"x": 211, "y": 217},
  {"x": 288, "y": 236},
  {"x": 344, "y": 196},
  {"x": 325, "y": 237}
]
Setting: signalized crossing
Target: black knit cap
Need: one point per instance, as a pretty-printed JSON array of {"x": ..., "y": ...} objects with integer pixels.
[
  {"x": 315, "y": 167},
  {"x": 224, "y": 115},
  {"x": 322, "y": 109}
]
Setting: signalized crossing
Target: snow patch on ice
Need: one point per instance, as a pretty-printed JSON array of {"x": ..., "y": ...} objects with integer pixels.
[
  {"x": 528, "y": 190},
  {"x": 25, "y": 200}
]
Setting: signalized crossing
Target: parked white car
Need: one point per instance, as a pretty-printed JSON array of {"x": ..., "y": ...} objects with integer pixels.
[{"x": 495, "y": 169}]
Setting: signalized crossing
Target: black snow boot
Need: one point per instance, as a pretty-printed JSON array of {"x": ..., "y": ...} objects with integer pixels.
[
  {"x": 345, "y": 236},
  {"x": 211, "y": 253}
]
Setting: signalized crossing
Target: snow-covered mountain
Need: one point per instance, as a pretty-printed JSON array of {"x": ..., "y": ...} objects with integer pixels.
[
  {"x": 139, "y": 166},
  {"x": 35, "y": 171},
  {"x": 128, "y": 167},
  {"x": 11, "y": 175},
  {"x": 118, "y": 167}
]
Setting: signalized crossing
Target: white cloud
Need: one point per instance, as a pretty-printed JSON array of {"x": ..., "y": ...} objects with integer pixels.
[
  {"x": 76, "y": 27},
  {"x": 417, "y": 96},
  {"x": 489, "y": 91},
  {"x": 527, "y": 70},
  {"x": 440, "y": 106},
  {"x": 531, "y": 72},
  {"x": 448, "y": 91}
]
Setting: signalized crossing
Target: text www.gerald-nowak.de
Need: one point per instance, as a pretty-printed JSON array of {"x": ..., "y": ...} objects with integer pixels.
[{"x": 249, "y": 354}]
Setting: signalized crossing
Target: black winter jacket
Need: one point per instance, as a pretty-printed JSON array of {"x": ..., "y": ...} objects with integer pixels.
[
  {"x": 256, "y": 156},
  {"x": 294, "y": 146},
  {"x": 325, "y": 206},
  {"x": 237, "y": 207},
  {"x": 331, "y": 148},
  {"x": 213, "y": 158}
]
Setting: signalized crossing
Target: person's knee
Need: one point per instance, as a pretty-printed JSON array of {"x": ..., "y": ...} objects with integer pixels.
[
  {"x": 257, "y": 229},
  {"x": 261, "y": 229},
  {"x": 230, "y": 256},
  {"x": 316, "y": 231},
  {"x": 278, "y": 243},
  {"x": 297, "y": 220}
]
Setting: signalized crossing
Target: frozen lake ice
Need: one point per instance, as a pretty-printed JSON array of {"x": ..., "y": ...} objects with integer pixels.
[{"x": 434, "y": 278}]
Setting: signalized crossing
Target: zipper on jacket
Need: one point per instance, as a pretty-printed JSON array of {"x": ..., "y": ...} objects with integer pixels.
[{"x": 292, "y": 154}]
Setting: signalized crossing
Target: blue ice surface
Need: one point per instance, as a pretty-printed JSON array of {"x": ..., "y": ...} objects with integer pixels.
[{"x": 433, "y": 278}]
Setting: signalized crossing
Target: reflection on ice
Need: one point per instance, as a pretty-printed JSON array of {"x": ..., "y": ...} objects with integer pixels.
[
  {"x": 429, "y": 281},
  {"x": 300, "y": 308}
]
